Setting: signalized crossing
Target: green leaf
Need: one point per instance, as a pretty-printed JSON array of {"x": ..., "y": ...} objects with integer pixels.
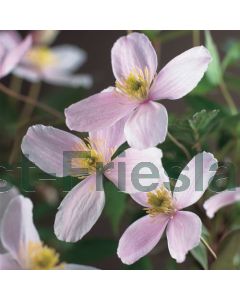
[
  {"x": 229, "y": 253},
  {"x": 115, "y": 205},
  {"x": 200, "y": 254},
  {"x": 197, "y": 103},
  {"x": 214, "y": 72},
  {"x": 202, "y": 122},
  {"x": 232, "y": 56},
  {"x": 143, "y": 264}
]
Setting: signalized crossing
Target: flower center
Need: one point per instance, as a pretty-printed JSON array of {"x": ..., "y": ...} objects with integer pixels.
[
  {"x": 42, "y": 257},
  {"x": 41, "y": 57},
  {"x": 90, "y": 160},
  {"x": 136, "y": 85},
  {"x": 160, "y": 201}
]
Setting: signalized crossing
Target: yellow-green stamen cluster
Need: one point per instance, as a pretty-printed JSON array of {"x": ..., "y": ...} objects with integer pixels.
[
  {"x": 136, "y": 85},
  {"x": 41, "y": 257},
  {"x": 41, "y": 57},
  {"x": 160, "y": 201}
]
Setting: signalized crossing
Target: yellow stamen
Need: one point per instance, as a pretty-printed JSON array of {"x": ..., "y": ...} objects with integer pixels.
[
  {"x": 41, "y": 257},
  {"x": 41, "y": 57},
  {"x": 91, "y": 156},
  {"x": 136, "y": 85},
  {"x": 160, "y": 201}
]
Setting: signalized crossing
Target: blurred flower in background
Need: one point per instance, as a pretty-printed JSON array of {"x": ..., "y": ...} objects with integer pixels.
[
  {"x": 12, "y": 50},
  {"x": 54, "y": 65}
]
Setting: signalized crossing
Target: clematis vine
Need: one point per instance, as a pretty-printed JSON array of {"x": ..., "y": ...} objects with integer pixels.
[
  {"x": 12, "y": 50},
  {"x": 165, "y": 210},
  {"x": 138, "y": 87},
  {"x": 220, "y": 200},
  {"x": 53, "y": 65},
  {"x": 21, "y": 244},
  {"x": 82, "y": 206}
]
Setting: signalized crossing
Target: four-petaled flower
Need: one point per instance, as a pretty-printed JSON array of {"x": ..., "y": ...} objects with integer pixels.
[
  {"x": 165, "y": 210},
  {"x": 134, "y": 63},
  {"x": 48, "y": 147}
]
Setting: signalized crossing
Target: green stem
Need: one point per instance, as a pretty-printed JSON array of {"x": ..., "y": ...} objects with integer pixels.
[
  {"x": 179, "y": 145},
  {"x": 15, "y": 85},
  {"x": 205, "y": 243},
  {"x": 228, "y": 98}
]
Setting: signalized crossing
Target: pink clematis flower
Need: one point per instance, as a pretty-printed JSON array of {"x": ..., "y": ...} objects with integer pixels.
[
  {"x": 12, "y": 51},
  {"x": 134, "y": 64},
  {"x": 164, "y": 210},
  {"x": 82, "y": 206},
  {"x": 22, "y": 247},
  {"x": 53, "y": 65},
  {"x": 225, "y": 198}
]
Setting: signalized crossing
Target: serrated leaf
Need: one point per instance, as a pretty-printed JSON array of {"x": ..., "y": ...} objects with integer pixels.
[
  {"x": 202, "y": 122},
  {"x": 214, "y": 72},
  {"x": 229, "y": 253},
  {"x": 115, "y": 205}
]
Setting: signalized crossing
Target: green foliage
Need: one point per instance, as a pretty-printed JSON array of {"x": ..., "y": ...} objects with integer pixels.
[
  {"x": 214, "y": 72},
  {"x": 200, "y": 254},
  {"x": 229, "y": 253},
  {"x": 232, "y": 56},
  {"x": 115, "y": 205}
]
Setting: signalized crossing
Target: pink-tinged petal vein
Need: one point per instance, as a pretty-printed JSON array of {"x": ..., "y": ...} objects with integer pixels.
[
  {"x": 147, "y": 126},
  {"x": 140, "y": 238},
  {"x": 79, "y": 210},
  {"x": 98, "y": 111},
  {"x": 133, "y": 52},
  {"x": 47, "y": 147},
  {"x": 181, "y": 75},
  {"x": 183, "y": 234}
]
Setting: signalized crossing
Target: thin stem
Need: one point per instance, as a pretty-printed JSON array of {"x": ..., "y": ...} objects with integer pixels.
[
  {"x": 205, "y": 243},
  {"x": 25, "y": 116},
  {"x": 196, "y": 38},
  {"x": 15, "y": 85},
  {"x": 228, "y": 98},
  {"x": 179, "y": 145},
  {"x": 31, "y": 101}
]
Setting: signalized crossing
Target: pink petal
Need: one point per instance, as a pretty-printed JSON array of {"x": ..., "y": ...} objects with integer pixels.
[
  {"x": 17, "y": 227},
  {"x": 79, "y": 210},
  {"x": 44, "y": 37},
  {"x": 5, "y": 198},
  {"x": 140, "y": 238},
  {"x": 14, "y": 56},
  {"x": 45, "y": 147},
  {"x": 133, "y": 52},
  {"x": 9, "y": 39},
  {"x": 65, "y": 79},
  {"x": 183, "y": 234},
  {"x": 28, "y": 73},
  {"x": 216, "y": 202},
  {"x": 98, "y": 111},
  {"x": 68, "y": 57},
  {"x": 108, "y": 140},
  {"x": 181, "y": 75},
  {"x": 7, "y": 262},
  {"x": 147, "y": 126},
  {"x": 194, "y": 179},
  {"x": 131, "y": 159}
]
